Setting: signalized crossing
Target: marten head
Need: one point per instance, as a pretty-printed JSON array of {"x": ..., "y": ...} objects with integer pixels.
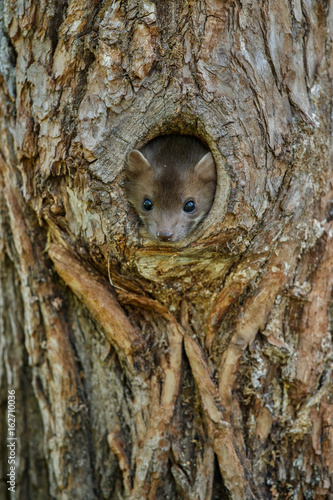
[{"x": 171, "y": 183}]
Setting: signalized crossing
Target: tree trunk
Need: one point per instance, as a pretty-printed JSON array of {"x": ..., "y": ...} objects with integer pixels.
[{"x": 200, "y": 370}]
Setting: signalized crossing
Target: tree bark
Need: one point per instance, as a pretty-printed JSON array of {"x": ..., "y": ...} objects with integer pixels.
[{"x": 201, "y": 370}]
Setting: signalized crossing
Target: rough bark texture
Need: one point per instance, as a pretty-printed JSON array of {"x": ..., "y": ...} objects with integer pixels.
[{"x": 198, "y": 371}]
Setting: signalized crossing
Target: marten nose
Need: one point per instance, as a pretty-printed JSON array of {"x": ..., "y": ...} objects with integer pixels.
[{"x": 164, "y": 236}]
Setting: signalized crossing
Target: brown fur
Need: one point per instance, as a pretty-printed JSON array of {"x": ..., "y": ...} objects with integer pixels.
[{"x": 171, "y": 170}]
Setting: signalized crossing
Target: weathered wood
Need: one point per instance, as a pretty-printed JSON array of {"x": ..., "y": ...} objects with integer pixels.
[{"x": 200, "y": 370}]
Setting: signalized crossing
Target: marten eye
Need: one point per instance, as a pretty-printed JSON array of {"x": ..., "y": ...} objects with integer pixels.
[
  {"x": 189, "y": 206},
  {"x": 147, "y": 205}
]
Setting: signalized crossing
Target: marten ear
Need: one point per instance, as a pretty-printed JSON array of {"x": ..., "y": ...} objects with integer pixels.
[
  {"x": 205, "y": 168},
  {"x": 137, "y": 163}
]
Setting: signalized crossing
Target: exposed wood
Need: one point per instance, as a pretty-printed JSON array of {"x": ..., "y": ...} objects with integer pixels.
[{"x": 141, "y": 370}]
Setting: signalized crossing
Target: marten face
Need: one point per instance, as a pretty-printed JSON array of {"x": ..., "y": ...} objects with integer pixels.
[{"x": 171, "y": 197}]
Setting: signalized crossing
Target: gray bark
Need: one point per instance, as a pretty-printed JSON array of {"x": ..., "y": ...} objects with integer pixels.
[{"x": 198, "y": 371}]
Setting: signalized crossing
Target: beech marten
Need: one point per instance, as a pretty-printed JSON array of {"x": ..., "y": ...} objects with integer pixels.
[{"x": 171, "y": 183}]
